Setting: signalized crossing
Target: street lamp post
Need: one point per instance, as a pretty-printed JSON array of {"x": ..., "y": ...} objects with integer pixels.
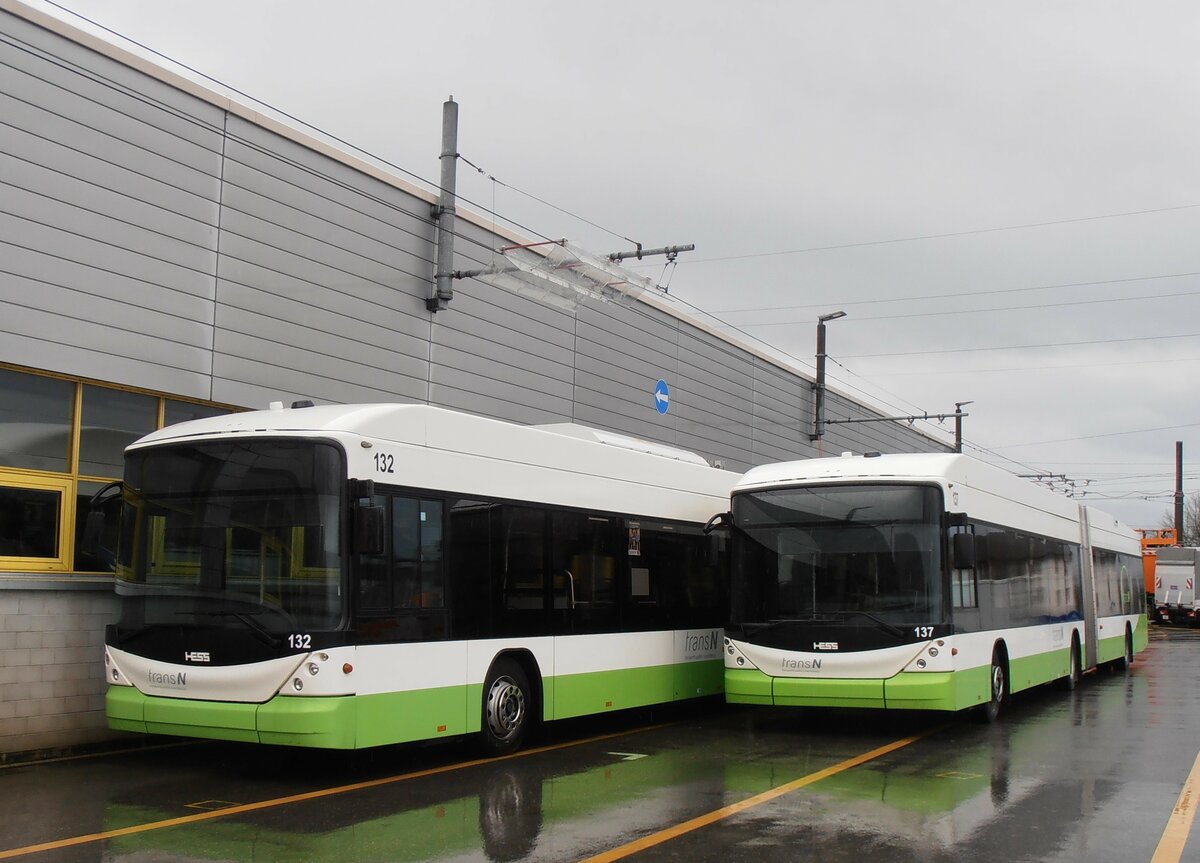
[{"x": 819, "y": 389}]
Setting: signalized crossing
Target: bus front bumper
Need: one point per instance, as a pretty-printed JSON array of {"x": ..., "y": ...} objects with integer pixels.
[
  {"x": 327, "y": 723},
  {"x": 905, "y": 691}
]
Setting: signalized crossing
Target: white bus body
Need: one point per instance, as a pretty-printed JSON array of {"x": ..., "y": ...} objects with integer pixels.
[
  {"x": 924, "y": 581},
  {"x": 350, "y": 576}
]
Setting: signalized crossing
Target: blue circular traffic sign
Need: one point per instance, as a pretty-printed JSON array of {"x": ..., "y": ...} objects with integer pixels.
[{"x": 662, "y": 397}]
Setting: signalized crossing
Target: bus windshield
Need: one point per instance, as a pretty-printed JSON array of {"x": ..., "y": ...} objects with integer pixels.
[
  {"x": 862, "y": 555},
  {"x": 233, "y": 534}
]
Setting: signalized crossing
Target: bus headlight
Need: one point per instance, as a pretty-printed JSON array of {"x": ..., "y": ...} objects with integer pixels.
[
  {"x": 297, "y": 684},
  {"x": 313, "y": 668}
]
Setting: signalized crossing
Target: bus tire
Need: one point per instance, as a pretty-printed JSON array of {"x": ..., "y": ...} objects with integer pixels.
[
  {"x": 997, "y": 687},
  {"x": 1069, "y": 682},
  {"x": 506, "y": 708}
]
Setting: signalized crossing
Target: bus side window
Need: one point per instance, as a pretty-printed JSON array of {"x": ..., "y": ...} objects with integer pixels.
[
  {"x": 684, "y": 574},
  {"x": 417, "y": 553},
  {"x": 371, "y": 571},
  {"x": 964, "y": 557},
  {"x": 522, "y": 567},
  {"x": 583, "y": 554}
]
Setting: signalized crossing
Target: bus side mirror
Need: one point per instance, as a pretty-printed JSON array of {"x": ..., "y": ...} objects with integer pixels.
[
  {"x": 97, "y": 518},
  {"x": 721, "y": 519},
  {"x": 370, "y": 523},
  {"x": 963, "y": 550}
]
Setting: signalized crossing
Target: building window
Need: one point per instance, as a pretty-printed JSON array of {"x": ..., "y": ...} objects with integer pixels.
[
  {"x": 35, "y": 421},
  {"x": 112, "y": 420},
  {"x": 33, "y": 524},
  {"x": 61, "y": 441}
]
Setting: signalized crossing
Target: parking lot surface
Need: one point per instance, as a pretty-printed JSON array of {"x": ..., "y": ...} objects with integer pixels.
[{"x": 1103, "y": 773}]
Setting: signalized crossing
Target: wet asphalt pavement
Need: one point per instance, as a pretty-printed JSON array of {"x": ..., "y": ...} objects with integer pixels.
[{"x": 1091, "y": 775}]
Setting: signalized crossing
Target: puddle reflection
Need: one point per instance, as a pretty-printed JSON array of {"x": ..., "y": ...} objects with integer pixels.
[{"x": 936, "y": 797}]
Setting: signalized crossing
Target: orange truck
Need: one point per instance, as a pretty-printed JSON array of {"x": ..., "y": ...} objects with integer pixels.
[{"x": 1152, "y": 540}]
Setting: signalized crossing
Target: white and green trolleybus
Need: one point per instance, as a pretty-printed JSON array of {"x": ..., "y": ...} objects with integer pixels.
[
  {"x": 352, "y": 576},
  {"x": 924, "y": 581}
]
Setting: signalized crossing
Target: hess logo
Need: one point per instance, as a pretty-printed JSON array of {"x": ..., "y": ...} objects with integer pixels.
[{"x": 196, "y": 656}]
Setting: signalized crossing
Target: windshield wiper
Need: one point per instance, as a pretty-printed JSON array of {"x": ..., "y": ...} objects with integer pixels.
[
  {"x": 773, "y": 624},
  {"x": 246, "y": 617},
  {"x": 880, "y": 622},
  {"x": 124, "y": 637}
]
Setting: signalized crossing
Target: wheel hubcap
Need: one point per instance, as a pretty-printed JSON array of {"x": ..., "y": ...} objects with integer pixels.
[
  {"x": 997, "y": 683},
  {"x": 505, "y": 708}
]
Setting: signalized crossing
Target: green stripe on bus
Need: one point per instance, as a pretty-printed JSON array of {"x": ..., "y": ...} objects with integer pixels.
[
  {"x": 916, "y": 690},
  {"x": 349, "y": 722},
  {"x": 747, "y": 686},
  {"x": 597, "y": 692},
  {"x": 831, "y": 692}
]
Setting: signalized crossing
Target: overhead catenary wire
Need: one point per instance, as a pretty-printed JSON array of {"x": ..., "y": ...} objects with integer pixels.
[
  {"x": 1022, "y": 347},
  {"x": 978, "y": 371},
  {"x": 993, "y": 309},
  {"x": 803, "y": 362},
  {"x": 946, "y": 235},
  {"x": 546, "y": 203},
  {"x": 1100, "y": 435},
  {"x": 966, "y": 294}
]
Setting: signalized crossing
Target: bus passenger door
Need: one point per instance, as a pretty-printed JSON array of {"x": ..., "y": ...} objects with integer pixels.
[
  {"x": 521, "y": 586},
  {"x": 588, "y": 571}
]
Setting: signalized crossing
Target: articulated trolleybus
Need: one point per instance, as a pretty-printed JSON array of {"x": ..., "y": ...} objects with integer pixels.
[
  {"x": 930, "y": 581},
  {"x": 352, "y": 576}
]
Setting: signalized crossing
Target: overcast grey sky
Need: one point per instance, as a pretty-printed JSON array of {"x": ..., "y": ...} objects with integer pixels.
[{"x": 1003, "y": 197}]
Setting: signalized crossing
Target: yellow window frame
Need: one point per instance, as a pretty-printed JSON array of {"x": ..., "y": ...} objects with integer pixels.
[{"x": 65, "y": 486}]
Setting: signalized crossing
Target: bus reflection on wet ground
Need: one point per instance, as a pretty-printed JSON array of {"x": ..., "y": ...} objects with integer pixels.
[{"x": 1090, "y": 775}]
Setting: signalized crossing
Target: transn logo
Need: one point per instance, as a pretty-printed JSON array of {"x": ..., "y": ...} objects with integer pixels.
[{"x": 197, "y": 656}]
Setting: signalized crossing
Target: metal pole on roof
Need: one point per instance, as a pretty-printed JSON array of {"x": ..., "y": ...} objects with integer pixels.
[
  {"x": 443, "y": 211},
  {"x": 818, "y": 431},
  {"x": 958, "y": 418}
]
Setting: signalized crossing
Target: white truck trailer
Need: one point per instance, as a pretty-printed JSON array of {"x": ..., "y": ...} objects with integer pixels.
[{"x": 1175, "y": 586}]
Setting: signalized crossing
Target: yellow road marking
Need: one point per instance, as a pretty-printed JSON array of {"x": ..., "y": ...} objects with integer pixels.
[
  {"x": 301, "y": 798},
  {"x": 758, "y": 799},
  {"x": 1175, "y": 836}
]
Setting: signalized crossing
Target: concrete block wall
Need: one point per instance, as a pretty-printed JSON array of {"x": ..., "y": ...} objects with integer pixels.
[{"x": 52, "y": 665}]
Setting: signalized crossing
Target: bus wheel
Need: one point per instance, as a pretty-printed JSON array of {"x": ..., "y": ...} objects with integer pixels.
[
  {"x": 999, "y": 688},
  {"x": 1072, "y": 679},
  {"x": 506, "y": 704}
]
